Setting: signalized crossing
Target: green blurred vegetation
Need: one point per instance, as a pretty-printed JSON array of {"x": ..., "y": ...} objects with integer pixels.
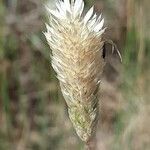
[{"x": 33, "y": 115}]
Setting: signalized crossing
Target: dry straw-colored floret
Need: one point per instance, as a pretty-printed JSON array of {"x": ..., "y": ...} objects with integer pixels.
[{"x": 76, "y": 44}]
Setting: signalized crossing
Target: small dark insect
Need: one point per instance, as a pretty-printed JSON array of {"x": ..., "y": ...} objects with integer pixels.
[
  {"x": 114, "y": 47},
  {"x": 104, "y": 51}
]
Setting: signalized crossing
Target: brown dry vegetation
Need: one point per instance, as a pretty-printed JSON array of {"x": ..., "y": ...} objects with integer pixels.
[{"x": 33, "y": 114}]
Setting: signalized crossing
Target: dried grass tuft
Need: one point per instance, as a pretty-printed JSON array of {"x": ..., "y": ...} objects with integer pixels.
[{"x": 76, "y": 44}]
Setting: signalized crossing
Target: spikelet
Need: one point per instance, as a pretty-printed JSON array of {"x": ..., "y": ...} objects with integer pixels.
[{"x": 76, "y": 44}]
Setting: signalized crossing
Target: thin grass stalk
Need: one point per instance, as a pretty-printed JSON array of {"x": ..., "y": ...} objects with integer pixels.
[{"x": 91, "y": 144}]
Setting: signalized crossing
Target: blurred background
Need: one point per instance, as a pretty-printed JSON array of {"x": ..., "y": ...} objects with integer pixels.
[{"x": 33, "y": 113}]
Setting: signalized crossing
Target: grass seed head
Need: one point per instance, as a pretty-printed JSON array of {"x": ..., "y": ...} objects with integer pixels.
[{"x": 76, "y": 44}]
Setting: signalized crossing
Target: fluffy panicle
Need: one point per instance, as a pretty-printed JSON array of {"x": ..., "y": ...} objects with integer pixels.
[{"x": 76, "y": 45}]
